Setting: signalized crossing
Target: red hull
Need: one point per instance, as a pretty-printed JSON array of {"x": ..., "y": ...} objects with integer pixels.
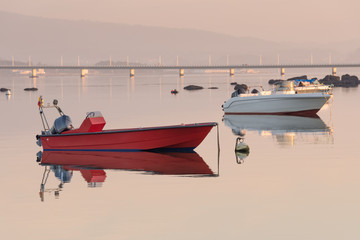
[
  {"x": 178, "y": 137},
  {"x": 174, "y": 163}
]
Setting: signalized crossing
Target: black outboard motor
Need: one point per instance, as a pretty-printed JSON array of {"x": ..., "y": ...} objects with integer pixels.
[
  {"x": 61, "y": 124},
  {"x": 238, "y": 92}
]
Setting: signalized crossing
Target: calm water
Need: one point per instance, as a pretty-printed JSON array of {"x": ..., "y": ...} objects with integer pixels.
[{"x": 300, "y": 180}]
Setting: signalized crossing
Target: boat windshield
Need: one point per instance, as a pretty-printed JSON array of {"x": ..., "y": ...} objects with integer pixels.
[
  {"x": 285, "y": 86},
  {"x": 93, "y": 114}
]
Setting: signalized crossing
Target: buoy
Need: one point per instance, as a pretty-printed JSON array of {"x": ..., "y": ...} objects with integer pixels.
[
  {"x": 174, "y": 91},
  {"x": 242, "y": 150},
  {"x": 240, "y": 146}
]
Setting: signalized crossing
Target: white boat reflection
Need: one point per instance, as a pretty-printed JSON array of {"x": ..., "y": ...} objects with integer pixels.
[
  {"x": 92, "y": 166},
  {"x": 285, "y": 129}
]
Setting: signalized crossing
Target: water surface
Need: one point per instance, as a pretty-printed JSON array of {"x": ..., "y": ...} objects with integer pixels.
[{"x": 299, "y": 181}]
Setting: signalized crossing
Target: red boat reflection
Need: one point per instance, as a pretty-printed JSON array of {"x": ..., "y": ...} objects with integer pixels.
[
  {"x": 171, "y": 163},
  {"x": 91, "y": 165}
]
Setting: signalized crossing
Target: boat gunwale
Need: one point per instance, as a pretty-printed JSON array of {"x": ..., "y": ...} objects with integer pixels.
[
  {"x": 112, "y": 131},
  {"x": 274, "y": 97}
]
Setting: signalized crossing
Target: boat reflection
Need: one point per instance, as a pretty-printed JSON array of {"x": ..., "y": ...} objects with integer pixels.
[
  {"x": 91, "y": 165},
  {"x": 285, "y": 129}
]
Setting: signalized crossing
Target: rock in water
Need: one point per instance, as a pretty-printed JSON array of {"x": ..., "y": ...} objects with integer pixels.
[
  {"x": 349, "y": 81},
  {"x": 30, "y": 89},
  {"x": 193, "y": 87},
  {"x": 330, "y": 79},
  {"x": 275, "y": 81}
]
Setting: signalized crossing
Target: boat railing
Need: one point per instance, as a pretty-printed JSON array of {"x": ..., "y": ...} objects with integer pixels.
[
  {"x": 315, "y": 88},
  {"x": 47, "y": 129}
]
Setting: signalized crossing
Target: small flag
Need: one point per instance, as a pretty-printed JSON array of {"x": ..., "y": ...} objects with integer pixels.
[{"x": 40, "y": 102}]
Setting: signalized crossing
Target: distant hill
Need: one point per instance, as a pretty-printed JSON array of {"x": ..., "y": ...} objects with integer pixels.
[{"x": 46, "y": 40}]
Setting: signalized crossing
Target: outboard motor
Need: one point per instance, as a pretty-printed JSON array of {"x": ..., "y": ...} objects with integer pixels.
[
  {"x": 61, "y": 124},
  {"x": 238, "y": 92}
]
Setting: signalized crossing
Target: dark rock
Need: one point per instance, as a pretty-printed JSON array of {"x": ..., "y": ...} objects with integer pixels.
[
  {"x": 30, "y": 89},
  {"x": 213, "y": 88},
  {"x": 331, "y": 80},
  {"x": 295, "y": 78},
  {"x": 349, "y": 81},
  {"x": 345, "y": 81},
  {"x": 275, "y": 81},
  {"x": 233, "y": 83},
  {"x": 241, "y": 86},
  {"x": 193, "y": 87},
  {"x": 4, "y": 89}
]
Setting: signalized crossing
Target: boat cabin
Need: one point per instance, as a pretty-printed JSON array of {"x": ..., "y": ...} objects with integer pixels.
[{"x": 285, "y": 87}]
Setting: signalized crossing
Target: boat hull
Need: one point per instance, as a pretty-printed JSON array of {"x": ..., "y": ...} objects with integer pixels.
[
  {"x": 175, "y": 138},
  {"x": 307, "y": 104}
]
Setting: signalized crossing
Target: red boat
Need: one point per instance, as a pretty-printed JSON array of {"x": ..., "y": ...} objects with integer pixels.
[{"x": 90, "y": 136}]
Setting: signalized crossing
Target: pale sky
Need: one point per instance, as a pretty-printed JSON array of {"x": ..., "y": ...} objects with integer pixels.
[{"x": 278, "y": 20}]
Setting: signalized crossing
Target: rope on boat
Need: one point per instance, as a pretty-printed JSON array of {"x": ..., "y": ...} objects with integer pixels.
[
  {"x": 217, "y": 133},
  {"x": 218, "y": 145}
]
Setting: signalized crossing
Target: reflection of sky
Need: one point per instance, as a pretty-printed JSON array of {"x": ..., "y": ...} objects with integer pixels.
[{"x": 281, "y": 193}]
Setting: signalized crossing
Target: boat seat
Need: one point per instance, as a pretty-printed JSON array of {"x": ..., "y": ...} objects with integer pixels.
[{"x": 94, "y": 122}]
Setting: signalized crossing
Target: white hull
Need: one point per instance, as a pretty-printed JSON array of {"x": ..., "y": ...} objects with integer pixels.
[{"x": 301, "y": 104}]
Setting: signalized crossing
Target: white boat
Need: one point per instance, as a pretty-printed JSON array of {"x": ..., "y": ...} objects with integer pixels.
[{"x": 281, "y": 101}]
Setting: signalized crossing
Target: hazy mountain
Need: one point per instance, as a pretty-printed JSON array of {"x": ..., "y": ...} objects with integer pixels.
[{"x": 46, "y": 40}]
